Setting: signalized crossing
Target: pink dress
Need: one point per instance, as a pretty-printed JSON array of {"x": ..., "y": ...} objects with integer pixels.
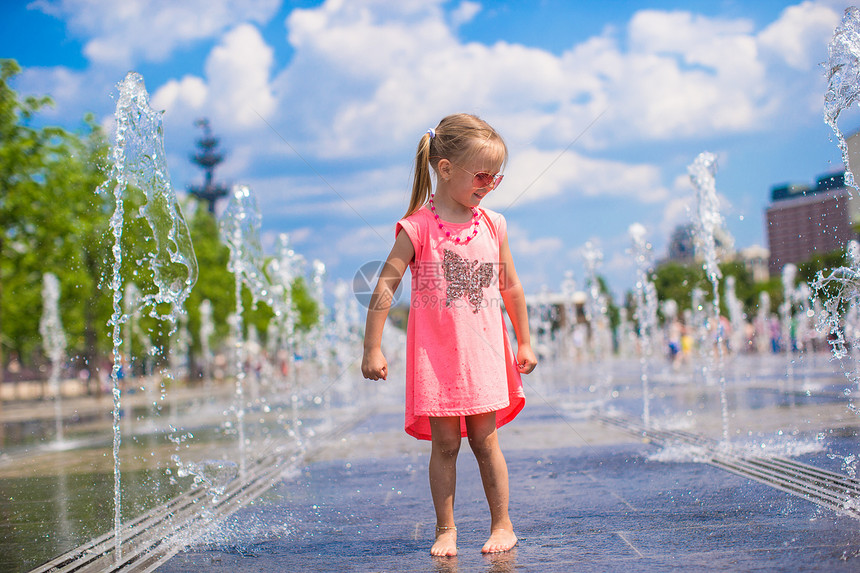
[{"x": 459, "y": 359}]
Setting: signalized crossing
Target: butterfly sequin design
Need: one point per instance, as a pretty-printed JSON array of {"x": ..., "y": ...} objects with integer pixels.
[{"x": 466, "y": 279}]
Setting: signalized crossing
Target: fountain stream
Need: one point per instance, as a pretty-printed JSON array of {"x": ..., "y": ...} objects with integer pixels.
[
  {"x": 597, "y": 314},
  {"x": 646, "y": 312},
  {"x": 789, "y": 274},
  {"x": 706, "y": 221},
  {"x": 843, "y": 75},
  {"x": 239, "y": 226},
  {"x": 54, "y": 343},
  {"x": 207, "y": 329},
  {"x": 139, "y": 173}
]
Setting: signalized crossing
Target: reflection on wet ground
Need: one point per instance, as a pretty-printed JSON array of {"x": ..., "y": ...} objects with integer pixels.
[
  {"x": 606, "y": 508},
  {"x": 585, "y": 496}
]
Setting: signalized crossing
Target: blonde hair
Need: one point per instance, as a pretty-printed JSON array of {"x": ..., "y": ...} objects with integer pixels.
[{"x": 458, "y": 137}]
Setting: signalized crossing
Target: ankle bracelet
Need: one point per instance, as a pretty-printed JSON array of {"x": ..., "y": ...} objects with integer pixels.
[{"x": 446, "y": 528}]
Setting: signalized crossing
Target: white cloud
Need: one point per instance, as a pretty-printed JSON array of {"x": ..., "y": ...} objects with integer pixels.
[
  {"x": 238, "y": 68},
  {"x": 73, "y": 92},
  {"x": 59, "y": 81},
  {"x": 685, "y": 75},
  {"x": 360, "y": 241},
  {"x": 619, "y": 261},
  {"x": 366, "y": 78},
  {"x": 523, "y": 246},
  {"x": 464, "y": 13},
  {"x": 189, "y": 93},
  {"x": 534, "y": 175},
  {"x": 236, "y": 91},
  {"x": 800, "y": 34},
  {"x": 676, "y": 212},
  {"x": 238, "y": 72},
  {"x": 271, "y": 239},
  {"x": 386, "y": 58},
  {"x": 119, "y": 33},
  {"x": 680, "y": 208},
  {"x": 359, "y": 194},
  {"x": 668, "y": 75}
]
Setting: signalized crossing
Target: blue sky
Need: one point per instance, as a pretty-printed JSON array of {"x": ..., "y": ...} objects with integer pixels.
[{"x": 319, "y": 106}]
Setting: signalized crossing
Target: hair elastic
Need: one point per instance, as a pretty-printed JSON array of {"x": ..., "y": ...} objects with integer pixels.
[{"x": 431, "y": 132}]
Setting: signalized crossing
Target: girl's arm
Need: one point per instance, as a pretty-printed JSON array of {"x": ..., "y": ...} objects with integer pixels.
[
  {"x": 373, "y": 364},
  {"x": 515, "y": 303}
]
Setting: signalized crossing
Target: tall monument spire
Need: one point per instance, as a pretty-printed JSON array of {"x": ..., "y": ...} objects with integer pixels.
[{"x": 208, "y": 158}]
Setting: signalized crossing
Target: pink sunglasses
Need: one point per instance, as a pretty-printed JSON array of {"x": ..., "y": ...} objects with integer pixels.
[{"x": 483, "y": 179}]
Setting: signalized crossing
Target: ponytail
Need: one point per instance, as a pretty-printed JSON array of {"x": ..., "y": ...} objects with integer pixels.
[
  {"x": 422, "y": 185},
  {"x": 455, "y": 138}
]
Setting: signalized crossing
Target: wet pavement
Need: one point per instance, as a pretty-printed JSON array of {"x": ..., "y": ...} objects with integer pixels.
[{"x": 584, "y": 497}]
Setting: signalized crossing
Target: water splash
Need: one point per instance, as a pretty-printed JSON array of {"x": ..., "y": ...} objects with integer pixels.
[
  {"x": 706, "y": 222},
  {"x": 53, "y": 341},
  {"x": 214, "y": 475},
  {"x": 849, "y": 463},
  {"x": 839, "y": 295},
  {"x": 706, "y": 217},
  {"x": 843, "y": 75},
  {"x": 776, "y": 446},
  {"x": 139, "y": 172}
]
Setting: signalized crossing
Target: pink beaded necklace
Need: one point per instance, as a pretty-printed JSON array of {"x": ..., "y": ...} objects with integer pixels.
[{"x": 475, "y": 223}]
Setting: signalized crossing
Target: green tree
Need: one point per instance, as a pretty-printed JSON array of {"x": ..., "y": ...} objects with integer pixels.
[
  {"x": 820, "y": 263},
  {"x": 82, "y": 245},
  {"x": 49, "y": 215},
  {"x": 745, "y": 289},
  {"x": 676, "y": 281},
  {"x": 54, "y": 221},
  {"x": 612, "y": 310},
  {"x": 305, "y": 304},
  {"x": 22, "y": 152},
  {"x": 214, "y": 281},
  {"x": 216, "y": 284}
]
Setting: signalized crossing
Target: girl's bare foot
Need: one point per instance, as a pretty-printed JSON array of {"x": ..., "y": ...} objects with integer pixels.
[
  {"x": 500, "y": 540},
  {"x": 446, "y": 542}
]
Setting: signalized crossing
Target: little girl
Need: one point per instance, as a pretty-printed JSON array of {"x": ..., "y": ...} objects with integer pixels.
[{"x": 462, "y": 378}]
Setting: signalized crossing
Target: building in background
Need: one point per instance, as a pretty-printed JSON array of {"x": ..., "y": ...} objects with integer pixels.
[
  {"x": 682, "y": 250},
  {"x": 682, "y": 246},
  {"x": 756, "y": 259},
  {"x": 804, "y": 221}
]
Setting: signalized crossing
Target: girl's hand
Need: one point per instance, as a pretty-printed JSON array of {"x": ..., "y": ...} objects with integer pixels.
[
  {"x": 526, "y": 359},
  {"x": 373, "y": 365}
]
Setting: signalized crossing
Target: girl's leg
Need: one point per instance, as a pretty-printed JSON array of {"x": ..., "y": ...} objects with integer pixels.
[
  {"x": 443, "y": 481},
  {"x": 484, "y": 441}
]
